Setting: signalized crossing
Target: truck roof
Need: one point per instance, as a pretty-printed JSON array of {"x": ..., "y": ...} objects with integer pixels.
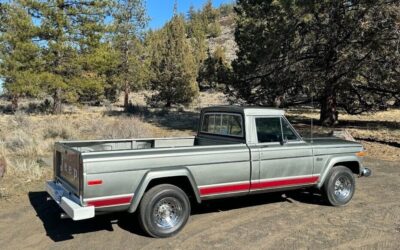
[{"x": 245, "y": 110}]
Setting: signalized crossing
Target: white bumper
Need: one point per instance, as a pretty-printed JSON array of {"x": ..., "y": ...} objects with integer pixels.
[{"x": 69, "y": 203}]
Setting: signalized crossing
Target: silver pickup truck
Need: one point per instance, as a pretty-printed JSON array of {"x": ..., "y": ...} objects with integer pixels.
[{"x": 237, "y": 151}]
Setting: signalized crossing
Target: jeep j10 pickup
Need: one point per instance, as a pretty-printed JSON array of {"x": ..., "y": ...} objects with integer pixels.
[{"x": 237, "y": 151}]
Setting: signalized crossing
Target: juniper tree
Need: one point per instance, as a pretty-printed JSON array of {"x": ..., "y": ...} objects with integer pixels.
[
  {"x": 173, "y": 65},
  {"x": 345, "y": 54},
  {"x": 214, "y": 70},
  {"x": 202, "y": 25}
]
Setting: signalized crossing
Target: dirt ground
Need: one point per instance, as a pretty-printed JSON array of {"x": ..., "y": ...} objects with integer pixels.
[{"x": 289, "y": 220}]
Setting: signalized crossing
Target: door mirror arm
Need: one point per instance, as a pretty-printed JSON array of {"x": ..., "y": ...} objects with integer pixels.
[{"x": 284, "y": 141}]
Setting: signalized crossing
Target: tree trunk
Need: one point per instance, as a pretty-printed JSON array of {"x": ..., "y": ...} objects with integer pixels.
[
  {"x": 57, "y": 108},
  {"x": 14, "y": 103},
  {"x": 329, "y": 114},
  {"x": 127, "y": 90},
  {"x": 3, "y": 166}
]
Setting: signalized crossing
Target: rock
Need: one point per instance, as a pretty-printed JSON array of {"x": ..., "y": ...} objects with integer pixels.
[{"x": 226, "y": 39}]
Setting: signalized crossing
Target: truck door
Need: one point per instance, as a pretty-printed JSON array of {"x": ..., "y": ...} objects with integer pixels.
[{"x": 285, "y": 160}]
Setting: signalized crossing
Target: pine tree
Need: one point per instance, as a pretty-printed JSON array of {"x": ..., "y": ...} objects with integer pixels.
[
  {"x": 68, "y": 29},
  {"x": 173, "y": 64},
  {"x": 19, "y": 56},
  {"x": 129, "y": 20}
]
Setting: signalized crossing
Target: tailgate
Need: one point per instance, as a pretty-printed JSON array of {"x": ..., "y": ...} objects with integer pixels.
[{"x": 68, "y": 167}]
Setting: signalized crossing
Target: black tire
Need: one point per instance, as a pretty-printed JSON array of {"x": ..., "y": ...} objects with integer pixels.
[
  {"x": 339, "y": 187},
  {"x": 164, "y": 211}
]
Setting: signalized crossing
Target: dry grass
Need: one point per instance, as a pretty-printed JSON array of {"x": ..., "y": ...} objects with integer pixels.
[
  {"x": 381, "y": 151},
  {"x": 378, "y": 132},
  {"x": 26, "y": 141},
  {"x": 381, "y": 127}
]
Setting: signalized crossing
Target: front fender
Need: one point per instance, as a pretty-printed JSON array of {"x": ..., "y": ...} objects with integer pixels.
[
  {"x": 157, "y": 174},
  {"x": 334, "y": 161}
]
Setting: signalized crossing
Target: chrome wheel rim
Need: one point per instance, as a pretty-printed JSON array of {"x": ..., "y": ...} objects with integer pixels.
[
  {"x": 167, "y": 213},
  {"x": 343, "y": 188}
]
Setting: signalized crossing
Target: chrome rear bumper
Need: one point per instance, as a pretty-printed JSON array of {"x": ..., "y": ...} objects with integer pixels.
[{"x": 68, "y": 202}]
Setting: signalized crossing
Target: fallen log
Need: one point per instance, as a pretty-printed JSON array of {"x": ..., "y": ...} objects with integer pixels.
[{"x": 343, "y": 134}]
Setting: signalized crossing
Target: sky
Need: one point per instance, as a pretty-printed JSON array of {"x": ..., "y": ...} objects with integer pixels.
[{"x": 160, "y": 11}]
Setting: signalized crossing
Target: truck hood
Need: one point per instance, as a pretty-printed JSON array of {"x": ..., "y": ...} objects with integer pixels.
[{"x": 332, "y": 142}]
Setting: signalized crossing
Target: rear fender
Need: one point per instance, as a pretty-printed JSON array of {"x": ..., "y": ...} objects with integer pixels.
[{"x": 153, "y": 175}]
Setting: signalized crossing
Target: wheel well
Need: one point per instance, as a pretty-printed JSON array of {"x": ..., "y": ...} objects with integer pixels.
[
  {"x": 352, "y": 165},
  {"x": 180, "y": 181}
]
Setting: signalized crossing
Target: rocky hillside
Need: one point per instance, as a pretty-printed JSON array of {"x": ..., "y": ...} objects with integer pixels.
[{"x": 226, "y": 39}]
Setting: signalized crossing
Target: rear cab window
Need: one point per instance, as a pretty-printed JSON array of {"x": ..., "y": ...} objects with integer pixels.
[{"x": 226, "y": 124}]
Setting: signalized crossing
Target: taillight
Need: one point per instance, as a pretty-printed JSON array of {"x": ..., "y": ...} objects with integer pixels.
[{"x": 94, "y": 182}]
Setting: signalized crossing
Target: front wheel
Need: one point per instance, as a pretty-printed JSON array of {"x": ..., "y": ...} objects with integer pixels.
[
  {"x": 340, "y": 186},
  {"x": 164, "y": 211}
]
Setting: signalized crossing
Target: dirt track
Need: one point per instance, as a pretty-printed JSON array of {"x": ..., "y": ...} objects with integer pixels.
[{"x": 291, "y": 220}]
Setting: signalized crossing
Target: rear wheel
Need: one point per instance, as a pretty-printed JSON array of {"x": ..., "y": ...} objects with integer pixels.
[
  {"x": 340, "y": 186},
  {"x": 164, "y": 211}
]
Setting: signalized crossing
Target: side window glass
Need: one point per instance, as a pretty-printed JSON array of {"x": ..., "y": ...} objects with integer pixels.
[
  {"x": 235, "y": 125},
  {"x": 208, "y": 123},
  {"x": 288, "y": 133},
  {"x": 224, "y": 125},
  {"x": 269, "y": 129},
  {"x": 218, "y": 125}
]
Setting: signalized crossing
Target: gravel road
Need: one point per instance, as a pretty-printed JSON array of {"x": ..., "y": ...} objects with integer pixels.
[{"x": 271, "y": 221}]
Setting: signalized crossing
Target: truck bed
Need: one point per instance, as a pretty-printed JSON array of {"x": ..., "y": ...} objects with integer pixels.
[
  {"x": 128, "y": 160},
  {"x": 87, "y": 146},
  {"x": 129, "y": 144}
]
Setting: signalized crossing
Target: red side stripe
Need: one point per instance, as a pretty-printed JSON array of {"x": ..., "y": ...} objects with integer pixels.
[
  {"x": 224, "y": 189},
  {"x": 256, "y": 185},
  {"x": 111, "y": 202},
  {"x": 286, "y": 182}
]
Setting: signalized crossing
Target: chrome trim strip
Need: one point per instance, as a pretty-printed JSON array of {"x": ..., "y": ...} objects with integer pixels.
[
  {"x": 163, "y": 155},
  {"x": 117, "y": 205},
  {"x": 224, "y": 184},
  {"x": 224, "y": 193},
  {"x": 279, "y": 188},
  {"x": 126, "y": 140},
  {"x": 287, "y": 178}
]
